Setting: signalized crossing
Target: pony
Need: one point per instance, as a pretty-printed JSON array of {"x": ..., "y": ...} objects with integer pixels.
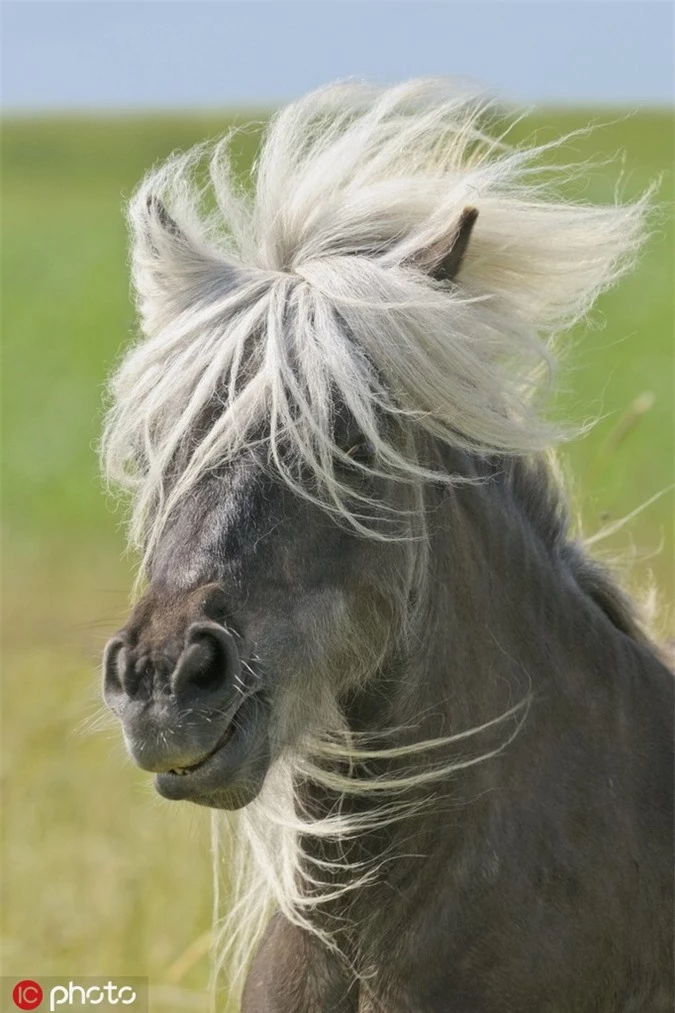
[{"x": 435, "y": 735}]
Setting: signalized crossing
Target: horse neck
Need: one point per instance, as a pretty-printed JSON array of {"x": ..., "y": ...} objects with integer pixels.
[
  {"x": 507, "y": 604},
  {"x": 509, "y": 615},
  {"x": 511, "y": 603}
]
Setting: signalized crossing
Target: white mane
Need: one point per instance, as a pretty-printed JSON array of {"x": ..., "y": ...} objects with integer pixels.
[{"x": 272, "y": 304}]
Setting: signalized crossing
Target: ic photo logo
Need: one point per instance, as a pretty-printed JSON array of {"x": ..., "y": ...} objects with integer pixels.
[
  {"x": 84, "y": 994},
  {"x": 27, "y": 994}
]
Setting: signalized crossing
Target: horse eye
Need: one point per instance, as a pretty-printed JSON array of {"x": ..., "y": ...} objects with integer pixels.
[{"x": 361, "y": 452}]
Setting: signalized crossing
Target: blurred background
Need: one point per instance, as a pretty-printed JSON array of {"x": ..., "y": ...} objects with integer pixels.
[{"x": 101, "y": 877}]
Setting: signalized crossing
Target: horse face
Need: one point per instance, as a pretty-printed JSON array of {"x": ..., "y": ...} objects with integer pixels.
[{"x": 262, "y": 615}]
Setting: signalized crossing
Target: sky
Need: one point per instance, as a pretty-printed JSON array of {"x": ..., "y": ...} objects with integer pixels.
[{"x": 126, "y": 54}]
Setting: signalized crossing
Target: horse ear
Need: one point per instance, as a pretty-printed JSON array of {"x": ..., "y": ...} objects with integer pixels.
[
  {"x": 158, "y": 213},
  {"x": 173, "y": 267},
  {"x": 443, "y": 259}
]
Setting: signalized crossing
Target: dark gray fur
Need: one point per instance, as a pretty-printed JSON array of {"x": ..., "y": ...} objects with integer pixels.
[{"x": 537, "y": 882}]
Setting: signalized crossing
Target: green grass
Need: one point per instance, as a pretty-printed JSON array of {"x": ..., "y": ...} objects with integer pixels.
[{"x": 100, "y": 877}]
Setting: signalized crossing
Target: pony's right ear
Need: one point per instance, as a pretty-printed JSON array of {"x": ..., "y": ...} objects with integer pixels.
[
  {"x": 443, "y": 259},
  {"x": 163, "y": 233},
  {"x": 156, "y": 210},
  {"x": 174, "y": 266}
]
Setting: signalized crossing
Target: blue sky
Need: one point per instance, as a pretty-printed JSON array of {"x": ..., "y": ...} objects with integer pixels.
[{"x": 125, "y": 54}]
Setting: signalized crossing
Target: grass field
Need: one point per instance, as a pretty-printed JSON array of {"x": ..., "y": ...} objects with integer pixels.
[{"x": 100, "y": 876}]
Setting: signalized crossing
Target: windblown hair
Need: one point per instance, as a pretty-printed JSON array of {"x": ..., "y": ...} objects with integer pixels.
[
  {"x": 264, "y": 846},
  {"x": 264, "y": 310},
  {"x": 267, "y": 311}
]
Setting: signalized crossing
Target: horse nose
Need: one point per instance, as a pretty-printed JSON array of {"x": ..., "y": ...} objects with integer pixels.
[
  {"x": 207, "y": 669},
  {"x": 175, "y": 691}
]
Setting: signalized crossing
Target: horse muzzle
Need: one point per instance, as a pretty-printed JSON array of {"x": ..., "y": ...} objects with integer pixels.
[{"x": 192, "y": 712}]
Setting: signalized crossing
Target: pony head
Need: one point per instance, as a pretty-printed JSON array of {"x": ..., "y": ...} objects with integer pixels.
[{"x": 370, "y": 320}]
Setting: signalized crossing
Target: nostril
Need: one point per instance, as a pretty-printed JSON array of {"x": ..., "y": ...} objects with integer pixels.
[
  {"x": 114, "y": 664},
  {"x": 202, "y": 666},
  {"x": 209, "y": 662}
]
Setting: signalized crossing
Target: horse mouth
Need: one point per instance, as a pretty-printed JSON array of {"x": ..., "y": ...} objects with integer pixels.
[
  {"x": 221, "y": 744},
  {"x": 231, "y": 774}
]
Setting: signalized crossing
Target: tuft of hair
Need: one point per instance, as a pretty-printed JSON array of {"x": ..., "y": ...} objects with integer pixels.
[{"x": 391, "y": 257}]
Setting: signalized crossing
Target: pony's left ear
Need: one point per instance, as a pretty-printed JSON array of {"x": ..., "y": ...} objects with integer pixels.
[{"x": 443, "y": 259}]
